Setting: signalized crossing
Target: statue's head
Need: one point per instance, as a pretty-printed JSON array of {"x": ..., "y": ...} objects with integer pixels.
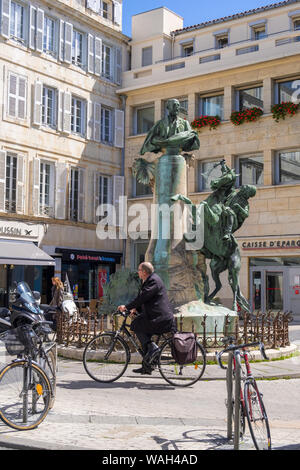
[
  {"x": 248, "y": 190},
  {"x": 173, "y": 107}
]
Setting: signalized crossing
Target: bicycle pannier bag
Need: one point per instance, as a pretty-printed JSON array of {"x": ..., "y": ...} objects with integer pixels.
[{"x": 184, "y": 348}]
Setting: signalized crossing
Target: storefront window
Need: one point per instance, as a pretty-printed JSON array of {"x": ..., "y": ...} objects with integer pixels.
[
  {"x": 87, "y": 280},
  {"x": 3, "y": 285}
]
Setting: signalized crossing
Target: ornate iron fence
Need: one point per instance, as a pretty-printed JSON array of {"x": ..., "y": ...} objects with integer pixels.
[{"x": 271, "y": 328}]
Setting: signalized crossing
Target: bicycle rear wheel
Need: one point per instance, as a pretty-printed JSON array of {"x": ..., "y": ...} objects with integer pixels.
[
  {"x": 257, "y": 417},
  {"x": 106, "y": 357},
  {"x": 180, "y": 375},
  {"x": 25, "y": 395}
]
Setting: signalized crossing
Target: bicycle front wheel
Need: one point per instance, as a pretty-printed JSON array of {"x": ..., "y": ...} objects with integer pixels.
[
  {"x": 180, "y": 375},
  {"x": 25, "y": 395},
  {"x": 257, "y": 417},
  {"x": 106, "y": 357}
]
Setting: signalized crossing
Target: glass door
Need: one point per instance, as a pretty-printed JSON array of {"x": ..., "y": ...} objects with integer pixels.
[
  {"x": 274, "y": 291},
  {"x": 256, "y": 290}
]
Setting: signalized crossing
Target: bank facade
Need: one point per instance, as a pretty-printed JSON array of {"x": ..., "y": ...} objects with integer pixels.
[
  {"x": 61, "y": 141},
  {"x": 216, "y": 68}
]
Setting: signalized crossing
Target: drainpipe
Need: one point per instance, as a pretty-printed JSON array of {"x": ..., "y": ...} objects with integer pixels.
[
  {"x": 123, "y": 99},
  {"x": 172, "y": 44}
]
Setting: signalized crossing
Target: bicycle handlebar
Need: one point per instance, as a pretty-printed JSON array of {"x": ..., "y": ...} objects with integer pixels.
[{"x": 242, "y": 346}]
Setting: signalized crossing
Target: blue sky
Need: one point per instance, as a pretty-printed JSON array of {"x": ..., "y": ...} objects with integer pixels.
[{"x": 192, "y": 11}]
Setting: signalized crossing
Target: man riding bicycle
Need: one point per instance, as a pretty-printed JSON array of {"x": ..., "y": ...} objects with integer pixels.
[{"x": 152, "y": 313}]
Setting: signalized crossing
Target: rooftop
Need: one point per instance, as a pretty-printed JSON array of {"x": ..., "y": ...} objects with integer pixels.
[{"x": 236, "y": 16}]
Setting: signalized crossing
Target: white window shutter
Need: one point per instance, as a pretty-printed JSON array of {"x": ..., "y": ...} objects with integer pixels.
[
  {"x": 81, "y": 195},
  {"x": 91, "y": 54},
  {"x": 39, "y": 29},
  {"x": 37, "y": 106},
  {"x": 98, "y": 56},
  {"x": 118, "y": 65},
  {"x": 20, "y": 199},
  {"x": 60, "y": 191},
  {"x": 67, "y": 112},
  {"x": 119, "y": 128},
  {"x": 12, "y": 97},
  {"x": 60, "y": 110},
  {"x": 2, "y": 179},
  {"x": 61, "y": 40},
  {"x": 97, "y": 122},
  {"x": 96, "y": 197},
  {"x": 90, "y": 121},
  {"x": 117, "y": 13},
  {"x": 68, "y": 36},
  {"x": 22, "y": 92},
  {"x": 32, "y": 27},
  {"x": 36, "y": 187},
  {"x": 118, "y": 191},
  {"x": 5, "y": 18}
]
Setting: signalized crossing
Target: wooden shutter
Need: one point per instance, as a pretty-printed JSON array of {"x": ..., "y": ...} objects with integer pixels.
[
  {"x": 96, "y": 197},
  {"x": 37, "y": 106},
  {"x": 36, "y": 164},
  {"x": 90, "y": 120},
  {"x": 91, "y": 54},
  {"x": 98, "y": 56},
  {"x": 60, "y": 110},
  {"x": 12, "y": 97},
  {"x": 22, "y": 88},
  {"x": 118, "y": 191},
  {"x": 81, "y": 194},
  {"x": 39, "y": 29},
  {"x": 97, "y": 122},
  {"x": 20, "y": 197},
  {"x": 119, "y": 128},
  {"x": 68, "y": 36},
  {"x": 32, "y": 27},
  {"x": 61, "y": 40},
  {"x": 67, "y": 112},
  {"x": 118, "y": 65},
  {"x": 5, "y": 18},
  {"x": 60, "y": 191},
  {"x": 2, "y": 179},
  {"x": 117, "y": 13}
]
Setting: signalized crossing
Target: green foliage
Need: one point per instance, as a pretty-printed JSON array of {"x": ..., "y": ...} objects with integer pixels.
[
  {"x": 286, "y": 108},
  {"x": 247, "y": 115},
  {"x": 123, "y": 286}
]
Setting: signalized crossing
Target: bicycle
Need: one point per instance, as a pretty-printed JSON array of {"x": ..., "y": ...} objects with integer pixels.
[
  {"x": 248, "y": 403},
  {"x": 106, "y": 358},
  {"x": 26, "y": 392}
]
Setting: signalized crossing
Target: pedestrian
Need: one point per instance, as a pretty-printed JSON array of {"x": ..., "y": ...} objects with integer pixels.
[
  {"x": 152, "y": 313},
  {"x": 57, "y": 291}
]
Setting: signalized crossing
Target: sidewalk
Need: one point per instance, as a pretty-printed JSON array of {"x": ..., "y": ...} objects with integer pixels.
[{"x": 139, "y": 412}]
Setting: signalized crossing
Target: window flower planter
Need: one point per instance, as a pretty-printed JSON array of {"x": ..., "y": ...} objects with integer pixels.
[
  {"x": 286, "y": 108},
  {"x": 202, "y": 121},
  {"x": 247, "y": 115}
]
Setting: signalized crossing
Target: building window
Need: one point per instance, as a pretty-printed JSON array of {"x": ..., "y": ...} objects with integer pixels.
[
  {"x": 78, "y": 116},
  {"x": 11, "y": 183},
  {"x": 187, "y": 49},
  {"x": 139, "y": 251},
  {"x": 249, "y": 98},
  {"x": 17, "y": 21},
  {"x": 140, "y": 189},
  {"x": 146, "y": 56},
  {"x": 288, "y": 167},
  {"x": 107, "y": 61},
  {"x": 17, "y": 86},
  {"x": 207, "y": 172},
  {"x": 296, "y": 24},
  {"x": 287, "y": 91},
  {"x": 250, "y": 170},
  {"x": 183, "y": 110},
  {"x": 144, "y": 119},
  {"x": 105, "y": 193},
  {"x": 212, "y": 106},
  {"x": 258, "y": 31},
  {"x": 222, "y": 41},
  {"x": 106, "y": 125},
  {"x": 77, "y": 48},
  {"x": 49, "y": 36},
  {"x": 49, "y": 107},
  {"x": 105, "y": 10},
  {"x": 47, "y": 189}
]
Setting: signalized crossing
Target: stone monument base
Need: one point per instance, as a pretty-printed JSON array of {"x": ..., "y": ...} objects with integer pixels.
[{"x": 219, "y": 320}]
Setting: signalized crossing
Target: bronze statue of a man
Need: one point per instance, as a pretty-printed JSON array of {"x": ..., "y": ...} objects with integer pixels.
[{"x": 172, "y": 133}]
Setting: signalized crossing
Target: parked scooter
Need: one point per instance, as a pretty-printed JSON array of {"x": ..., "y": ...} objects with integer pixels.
[{"x": 25, "y": 310}]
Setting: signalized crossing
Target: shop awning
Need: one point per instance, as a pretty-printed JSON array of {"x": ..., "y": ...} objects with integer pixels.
[{"x": 24, "y": 253}]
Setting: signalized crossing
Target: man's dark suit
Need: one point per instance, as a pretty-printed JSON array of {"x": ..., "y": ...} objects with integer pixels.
[{"x": 156, "y": 315}]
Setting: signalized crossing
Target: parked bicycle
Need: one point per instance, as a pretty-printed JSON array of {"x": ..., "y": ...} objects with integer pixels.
[
  {"x": 27, "y": 384},
  {"x": 106, "y": 357},
  {"x": 245, "y": 403}
]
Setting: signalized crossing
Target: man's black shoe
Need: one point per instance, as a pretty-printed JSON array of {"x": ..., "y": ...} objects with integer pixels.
[{"x": 143, "y": 371}]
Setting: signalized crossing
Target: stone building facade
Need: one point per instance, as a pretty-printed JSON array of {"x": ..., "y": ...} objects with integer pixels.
[
  {"x": 215, "y": 68},
  {"x": 61, "y": 140}
]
